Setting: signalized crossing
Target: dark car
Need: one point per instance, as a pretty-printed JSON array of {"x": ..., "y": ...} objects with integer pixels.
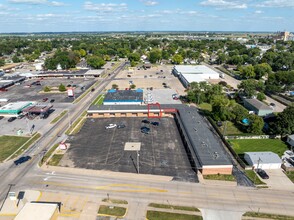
[
  {"x": 20, "y": 116},
  {"x": 1, "y": 117},
  {"x": 273, "y": 104},
  {"x": 120, "y": 126},
  {"x": 155, "y": 123},
  {"x": 52, "y": 100},
  {"x": 145, "y": 130},
  {"x": 11, "y": 119},
  {"x": 145, "y": 121},
  {"x": 22, "y": 160},
  {"x": 45, "y": 99},
  {"x": 262, "y": 173}
]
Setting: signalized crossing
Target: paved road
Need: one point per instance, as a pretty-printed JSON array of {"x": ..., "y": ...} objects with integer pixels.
[{"x": 235, "y": 82}]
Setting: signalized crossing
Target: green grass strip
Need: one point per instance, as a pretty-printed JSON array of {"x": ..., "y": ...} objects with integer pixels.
[
  {"x": 10, "y": 144},
  {"x": 99, "y": 100},
  {"x": 253, "y": 177},
  {"x": 112, "y": 210},
  {"x": 156, "y": 215},
  {"x": 290, "y": 175},
  {"x": 268, "y": 216},
  {"x": 115, "y": 201},
  {"x": 58, "y": 117},
  {"x": 222, "y": 177},
  {"x": 166, "y": 206},
  {"x": 85, "y": 93},
  {"x": 77, "y": 125},
  {"x": 55, "y": 159},
  {"x": 48, "y": 154}
]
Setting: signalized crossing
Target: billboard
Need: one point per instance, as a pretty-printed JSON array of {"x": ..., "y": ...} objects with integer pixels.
[{"x": 70, "y": 92}]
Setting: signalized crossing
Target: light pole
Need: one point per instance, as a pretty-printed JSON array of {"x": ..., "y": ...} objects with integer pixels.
[
  {"x": 138, "y": 163},
  {"x": 68, "y": 118}
]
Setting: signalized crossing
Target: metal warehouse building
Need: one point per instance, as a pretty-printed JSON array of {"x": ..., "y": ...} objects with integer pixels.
[
  {"x": 188, "y": 74},
  {"x": 205, "y": 150}
]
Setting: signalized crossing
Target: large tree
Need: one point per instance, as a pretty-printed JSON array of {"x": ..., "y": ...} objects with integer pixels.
[
  {"x": 247, "y": 72},
  {"x": 284, "y": 123},
  {"x": 177, "y": 59},
  {"x": 250, "y": 87},
  {"x": 262, "y": 69},
  {"x": 155, "y": 56},
  {"x": 95, "y": 61},
  {"x": 256, "y": 124}
]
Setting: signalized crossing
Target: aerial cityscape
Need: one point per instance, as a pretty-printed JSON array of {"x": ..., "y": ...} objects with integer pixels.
[{"x": 138, "y": 109}]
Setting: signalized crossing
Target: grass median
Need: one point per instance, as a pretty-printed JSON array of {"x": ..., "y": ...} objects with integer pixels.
[
  {"x": 77, "y": 125},
  {"x": 156, "y": 215},
  {"x": 176, "y": 207},
  {"x": 253, "y": 177},
  {"x": 58, "y": 117},
  {"x": 115, "y": 201},
  {"x": 47, "y": 155},
  {"x": 222, "y": 177},
  {"x": 112, "y": 211},
  {"x": 268, "y": 216}
]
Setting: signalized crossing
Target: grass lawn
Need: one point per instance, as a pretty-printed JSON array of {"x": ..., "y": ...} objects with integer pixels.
[
  {"x": 230, "y": 128},
  {"x": 33, "y": 138},
  {"x": 254, "y": 145},
  {"x": 290, "y": 175},
  {"x": 155, "y": 215},
  {"x": 219, "y": 177},
  {"x": 205, "y": 106},
  {"x": 58, "y": 117},
  {"x": 54, "y": 161},
  {"x": 254, "y": 178},
  {"x": 165, "y": 206},
  {"x": 9, "y": 144},
  {"x": 268, "y": 216},
  {"x": 112, "y": 210},
  {"x": 116, "y": 201}
]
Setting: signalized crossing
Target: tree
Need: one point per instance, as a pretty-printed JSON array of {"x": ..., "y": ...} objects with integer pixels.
[
  {"x": 114, "y": 86},
  {"x": 251, "y": 86},
  {"x": 247, "y": 72},
  {"x": 284, "y": 123},
  {"x": 62, "y": 88},
  {"x": 239, "y": 112},
  {"x": 2, "y": 62},
  {"x": 177, "y": 59},
  {"x": 46, "y": 89},
  {"x": 261, "y": 70},
  {"x": 155, "y": 56},
  {"x": 256, "y": 124},
  {"x": 134, "y": 57},
  {"x": 16, "y": 59},
  {"x": 95, "y": 62},
  {"x": 133, "y": 86},
  {"x": 261, "y": 96}
]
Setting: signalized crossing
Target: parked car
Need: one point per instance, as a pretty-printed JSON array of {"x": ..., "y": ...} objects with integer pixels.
[
  {"x": 110, "y": 126},
  {"x": 273, "y": 104},
  {"x": 145, "y": 121},
  {"x": 3, "y": 90},
  {"x": 262, "y": 173},
  {"x": 155, "y": 123},
  {"x": 20, "y": 116},
  {"x": 22, "y": 160},
  {"x": 145, "y": 130},
  {"x": 45, "y": 99},
  {"x": 120, "y": 126},
  {"x": 52, "y": 100},
  {"x": 11, "y": 119}
]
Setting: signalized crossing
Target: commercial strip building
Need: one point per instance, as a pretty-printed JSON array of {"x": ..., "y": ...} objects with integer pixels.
[
  {"x": 199, "y": 73},
  {"x": 204, "y": 149},
  {"x": 37, "y": 109},
  {"x": 263, "y": 160},
  {"x": 14, "y": 108},
  {"x": 38, "y": 211},
  {"x": 258, "y": 107},
  {"x": 123, "y": 97}
]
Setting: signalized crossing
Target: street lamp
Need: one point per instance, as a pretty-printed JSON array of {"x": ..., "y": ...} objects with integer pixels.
[{"x": 138, "y": 163}]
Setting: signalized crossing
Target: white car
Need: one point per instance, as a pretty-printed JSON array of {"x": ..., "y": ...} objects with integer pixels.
[{"x": 110, "y": 126}]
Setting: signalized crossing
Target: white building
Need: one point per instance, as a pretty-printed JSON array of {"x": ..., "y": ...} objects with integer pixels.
[
  {"x": 188, "y": 73},
  {"x": 263, "y": 160},
  {"x": 290, "y": 140}
]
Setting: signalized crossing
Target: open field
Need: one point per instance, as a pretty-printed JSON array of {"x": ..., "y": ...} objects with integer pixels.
[{"x": 254, "y": 145}]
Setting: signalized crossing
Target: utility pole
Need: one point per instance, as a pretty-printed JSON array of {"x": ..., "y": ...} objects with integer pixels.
[{"x": 258, "y": 161}]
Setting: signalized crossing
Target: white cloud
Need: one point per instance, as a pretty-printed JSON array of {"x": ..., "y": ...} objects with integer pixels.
[
  {"x": 105, "y": 7},
  {"x": 37, "y": 2},
  {"x": 149, "y": 3},
  {"x": 276, "y": 3},
  {"x": 225, "y": 4},
  {"x": 258, "y": 12}
]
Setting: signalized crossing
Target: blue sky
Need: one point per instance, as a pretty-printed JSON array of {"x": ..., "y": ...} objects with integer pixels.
[{"x": 146, "y": 15}]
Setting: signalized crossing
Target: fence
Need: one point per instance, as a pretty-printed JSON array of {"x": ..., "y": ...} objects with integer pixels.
[{"x": 254, "y": 137}]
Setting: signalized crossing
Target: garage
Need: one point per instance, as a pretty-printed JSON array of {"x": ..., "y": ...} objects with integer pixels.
[{"x": 263, "y": 160}]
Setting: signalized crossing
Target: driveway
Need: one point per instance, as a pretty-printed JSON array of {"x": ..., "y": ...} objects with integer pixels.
[{"x": 278, "y": 180}]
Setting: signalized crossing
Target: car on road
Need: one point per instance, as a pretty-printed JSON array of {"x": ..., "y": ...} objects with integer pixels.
[
  {"x": 52, "y": 100},
  {"x": 145, "y": 130},
  {"x": 262, "y": 173},
  {"x": 145, "y": 121},
  {"x": 155, "y": 123},
  {"x": 273, "y": 104},
  {"x": 110, "y": 126},
  {"x": 11, "y": 119},
  {"x": 121, "y": 126},
  {"x": 22, "y": 160},
  {"x": 175, "y": 96},
  {"x": 3, "y": 90},
  {"x": 45, "y": 99}
]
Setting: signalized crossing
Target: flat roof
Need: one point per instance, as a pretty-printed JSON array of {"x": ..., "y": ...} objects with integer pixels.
[
  {"x": 37, "y": 211},
  {"x": 123, "y": 95},
  {"x": 194, "y": 78},
  {"x": 15, "y": 106},
  {"x": 37, "y": 108},
  {"x": 195, "y": 69},
  {"x": 94, "y": 72},
  {"x": 258, "y": 104},
  {"x": 207, "y": 146},
  {"x": 291, "y": 136},
  {"x": 264, "y": 157}
]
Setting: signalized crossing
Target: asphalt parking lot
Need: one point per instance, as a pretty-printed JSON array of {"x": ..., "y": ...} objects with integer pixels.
[
  {"x": 162, "y": 151},
  {"x": 34, "y": 93}
]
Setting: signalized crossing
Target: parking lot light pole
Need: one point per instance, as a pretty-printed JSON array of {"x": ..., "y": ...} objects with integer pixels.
[{"x": 138, "y": 164}]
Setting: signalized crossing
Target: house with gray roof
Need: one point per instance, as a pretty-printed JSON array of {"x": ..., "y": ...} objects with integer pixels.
[{"x": 258, "y": 107}]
